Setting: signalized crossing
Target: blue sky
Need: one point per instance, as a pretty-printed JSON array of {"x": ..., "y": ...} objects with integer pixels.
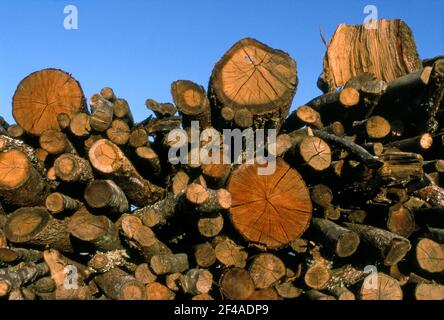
[{"x": 140, "y": 47}]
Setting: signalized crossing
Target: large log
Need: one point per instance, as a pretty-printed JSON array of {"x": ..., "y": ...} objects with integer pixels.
[
  {"x": 389, "y": 52},
  {"x": 271, "y": 210},
  {"x": 255, "y": 79},
  {"x": 42, "y": 95}
]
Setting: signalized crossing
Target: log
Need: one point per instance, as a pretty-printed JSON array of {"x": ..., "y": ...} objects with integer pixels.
[
  {"x": 317, "y": 276},
  {"x": 391, "y": 247},
  {"x": 345, "y": 276},
  {"x": 35, "y": 226},
  {"x": 197, "y": 281},
  {"x": 119, "y": 285},
  {"x": 169, "y": 263},
  {"x": 108, "y": 94},
  {"x": 41, "y": 155},
  {"x": 55, "y": 142},
  {"x": 8, "y": 144},
  {"x": 272, "y": 213},
  {"x": 15, "y": 255},
  {"x": 418, "y": 144},
  {"x": 180, "y": 182},
  {"x": 317, "y": 295},
  {"x": 20, "y": 183},
  {"x": 80, "y": 125},
  {"x": 303, "y": 116},
  {"x": 433, "y": 195},
  {"x": 144, "y": 274},
  {"x": 401, "y": 220},
  {"x": 339, "y": 239},
  {"x": 157, "y": 291},
  {"x": 400, "y": 166},
  {"x": 425, "y": 291},
  {"x": 210, "y": 225},
  {"x": 71, "y": 168},
  {"x": 149, "y": 158},
  {"x": 101, "y": 113},
  {"x": 122, "y": 111},
  {"x": 161, "y": 110},
  {"x": 342, "y": 293},
  {"x": 192, "y": 102},
  {"x": 356, "y": 150},
  {"x": 15, "y": 131},
  {"x": 173, "y": 281},
  {"x": 386, "y": 288},
  {"x": 148, "y": 243},
  {"x": 257, "y": 78},
  {"x": 57, "y": 202},
  {"x": 430, "y": 255},
  {"x": 44, "y": 94},
  {"x": 138, "y": 138},
  {"x": 64, "y": 121},
  {"x": 216, "y": 174},
  {"x": 236, "y": 284},
  {"x": 266, "y": 270},
  {"x": 288, "y": 291},
  {"x": 433, "y": 166},
  {"x": 375, "y": 127},
  {"x": 96, "y": 230},
  {"x": 434, "y": 95},
  {"x": 208, "y": 200},
  {"x": 332, "y": 104},
  {"x": 108, "y": 159},
  {"x": 410, "y": 82},
  {"x": 106, "y": 195},
  {"x": 204, "y": 255},
  {"x": 3, "y": 126},
  {"x": 315, "y": 153},
  {"x": 229, "y": 253},
  {"x": 160, "y": 212},
  {"x": 23, "y": 274},
  {"x": 346, "y": 58},
  {"x": 118, "y": 132},
  {"x": 321, "y": 195}
]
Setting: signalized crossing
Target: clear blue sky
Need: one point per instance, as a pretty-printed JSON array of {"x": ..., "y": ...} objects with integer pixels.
[{"x": 140, "y": 47}]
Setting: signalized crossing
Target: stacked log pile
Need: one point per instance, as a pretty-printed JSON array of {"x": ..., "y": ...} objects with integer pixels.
[{"x": 92, "y": 208}]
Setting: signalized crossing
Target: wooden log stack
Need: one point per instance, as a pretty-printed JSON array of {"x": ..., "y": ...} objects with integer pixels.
[{"x": 353, "y": 208}]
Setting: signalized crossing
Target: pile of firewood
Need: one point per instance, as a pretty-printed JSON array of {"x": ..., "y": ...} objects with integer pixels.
[{"x": 92, "y": 208}]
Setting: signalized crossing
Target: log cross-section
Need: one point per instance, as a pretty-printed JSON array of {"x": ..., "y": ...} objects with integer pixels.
[
  {"x": 42, "y": 95},
  {"x": 271, "y": 210},
  {"x": 108, "y": 159},
  {"x": 252, "y": 76}
]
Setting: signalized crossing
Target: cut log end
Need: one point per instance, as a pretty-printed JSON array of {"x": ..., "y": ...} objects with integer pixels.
[
  {"x": 42, "y": 95},
  {"x": 349, "y": 97},
  {"x": 14, "y": 169},
  {"x": 105, "y": 156},
  {"x": 272, "y": 210}
]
